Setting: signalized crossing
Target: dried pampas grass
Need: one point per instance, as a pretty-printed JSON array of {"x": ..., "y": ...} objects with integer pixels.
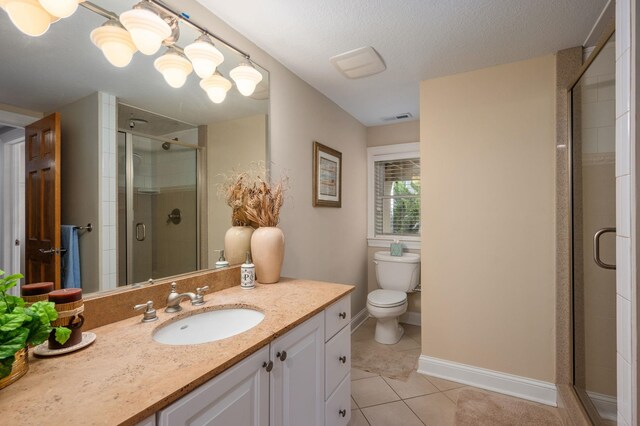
[{"x": 254, "y": 201}]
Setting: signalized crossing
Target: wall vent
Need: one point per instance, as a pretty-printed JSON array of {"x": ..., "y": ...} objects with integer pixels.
[{"x": 401, "y": 116}]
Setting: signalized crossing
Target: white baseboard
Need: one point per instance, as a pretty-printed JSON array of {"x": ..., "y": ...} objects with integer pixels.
[
  {"x": 521, "y": 387},
  {"x": 606, "y": 405},
  {"x": 359, "y": 319},
  {"x": 411, "y": 318}
]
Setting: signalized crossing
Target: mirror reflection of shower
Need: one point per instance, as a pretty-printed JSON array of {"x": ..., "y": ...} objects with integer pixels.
[{"x": 157, "y": 176}]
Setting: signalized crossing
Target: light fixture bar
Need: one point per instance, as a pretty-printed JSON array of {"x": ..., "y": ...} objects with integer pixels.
[
  {"x": 110, "y": 15},
  {"x": 184, "y": 18}
]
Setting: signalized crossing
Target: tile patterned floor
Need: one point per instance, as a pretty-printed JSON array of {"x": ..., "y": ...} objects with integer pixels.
[{"x": 421, "y": 400}]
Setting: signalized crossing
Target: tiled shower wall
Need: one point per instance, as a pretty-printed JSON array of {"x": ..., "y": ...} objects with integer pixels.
[
  {"x": 625, "y": 211},
  {"x": 108, "y": 200}
]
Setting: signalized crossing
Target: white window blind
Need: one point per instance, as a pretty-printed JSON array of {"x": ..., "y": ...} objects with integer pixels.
[{"x": 397, "y": 197}]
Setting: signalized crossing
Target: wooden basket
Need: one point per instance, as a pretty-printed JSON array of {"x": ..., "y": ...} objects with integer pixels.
[{"x": 18, "y": 369}]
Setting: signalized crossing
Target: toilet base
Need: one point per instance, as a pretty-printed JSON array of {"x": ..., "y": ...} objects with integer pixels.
[{"x": 388, "y": 331}]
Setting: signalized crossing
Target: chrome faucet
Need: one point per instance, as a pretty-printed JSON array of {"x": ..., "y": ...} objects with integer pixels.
[{"x": 174, "y": 299}]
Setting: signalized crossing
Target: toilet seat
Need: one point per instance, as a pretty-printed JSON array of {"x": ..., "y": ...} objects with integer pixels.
[{"x": 387, "y": 298}]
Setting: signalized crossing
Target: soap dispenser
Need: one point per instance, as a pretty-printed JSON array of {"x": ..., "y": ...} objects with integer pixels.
[
  {"x": 222, "y": 262},
  {"x": 248, "y": 274}
]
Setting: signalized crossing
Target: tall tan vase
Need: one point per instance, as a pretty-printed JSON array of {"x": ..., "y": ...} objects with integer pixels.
[
  {"x": 267, "y": 250},
  {"x": 237, "y": 242}
]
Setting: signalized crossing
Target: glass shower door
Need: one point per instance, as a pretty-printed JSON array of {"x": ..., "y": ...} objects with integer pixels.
[
  {"x": 161, "y": 225},
  {"x": 594, "y": 250}
]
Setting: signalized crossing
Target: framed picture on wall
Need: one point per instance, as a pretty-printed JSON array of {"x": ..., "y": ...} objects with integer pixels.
[{"x": 327, "y": 176}]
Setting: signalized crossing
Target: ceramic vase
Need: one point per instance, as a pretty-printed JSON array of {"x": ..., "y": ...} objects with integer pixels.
[
  {"x": 267, "y": 249},
  {"x": 237, "y": 242},
  {"x": 18, "y": 369}
]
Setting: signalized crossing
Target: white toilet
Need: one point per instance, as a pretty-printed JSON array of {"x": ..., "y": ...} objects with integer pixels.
[{"x": 396, "y": 276}]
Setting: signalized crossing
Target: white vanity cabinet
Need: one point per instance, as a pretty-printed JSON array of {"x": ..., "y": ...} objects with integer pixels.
[
  {"x": 300, "y": 379},
  {"x": 297, "y": 379},
  {"x": 239, "y": 396}
]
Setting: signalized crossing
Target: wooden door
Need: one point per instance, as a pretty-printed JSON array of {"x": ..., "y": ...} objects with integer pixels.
[
  {"x": 297, "y": 379},
  {"x": 42, "y": 200}
]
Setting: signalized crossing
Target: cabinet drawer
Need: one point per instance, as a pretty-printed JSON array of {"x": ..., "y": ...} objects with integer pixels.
[
  {"x": 338, "y": 406},
  {"x": 337, "y": 360},
  {"x": 337, "y": 316}
]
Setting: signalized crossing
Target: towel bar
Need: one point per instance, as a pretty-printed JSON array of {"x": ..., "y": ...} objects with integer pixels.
[{"x": 89, "y": 227}]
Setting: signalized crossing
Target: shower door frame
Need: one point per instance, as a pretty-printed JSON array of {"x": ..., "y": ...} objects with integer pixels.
[
  {"x": 580, "y": 396},
  {"x": 129, "y": 177}
]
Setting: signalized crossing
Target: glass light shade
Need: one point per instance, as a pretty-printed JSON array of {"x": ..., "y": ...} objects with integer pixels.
[
  {"x": 60, "y": 8},
  {"x": 246, "y": 78},
  {"x": 147, "y": 29},
  {"x": 28, "y": 16},
  {"x": 216, "y": 87},
  {"x": 115, "y": 43},
  {"x": 204, "y": 56},
  {"x": 174, "y": 68}
]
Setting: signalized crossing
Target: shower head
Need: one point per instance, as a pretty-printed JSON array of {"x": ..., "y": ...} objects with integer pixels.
[{"x": 166, "y": 146}]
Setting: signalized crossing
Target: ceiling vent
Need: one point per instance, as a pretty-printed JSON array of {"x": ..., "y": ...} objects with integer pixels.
[
  {"x": 359, "y": 63},
  {"x": 402, "y": 116}
]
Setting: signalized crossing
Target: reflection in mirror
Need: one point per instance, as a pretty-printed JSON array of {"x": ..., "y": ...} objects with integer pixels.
[{"x": 138, "y": 160}]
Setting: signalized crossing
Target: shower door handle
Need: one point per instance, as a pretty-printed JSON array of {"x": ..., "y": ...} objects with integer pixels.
[
  {"x": 140, "y": 236},
  {"x": 596, "y": 248}
]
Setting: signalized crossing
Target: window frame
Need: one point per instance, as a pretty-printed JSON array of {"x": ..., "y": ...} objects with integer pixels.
[{"x": 382, "y": 153}]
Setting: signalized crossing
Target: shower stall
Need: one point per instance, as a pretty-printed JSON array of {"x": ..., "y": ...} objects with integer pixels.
[
  {"x": 158, "y": 223},
  {"x": 593, "y": 205}
]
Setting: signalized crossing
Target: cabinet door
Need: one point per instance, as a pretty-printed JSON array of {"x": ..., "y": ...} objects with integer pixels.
[
  {"x": 239, "y": 397},
  {"x": 297, "y": 379}
]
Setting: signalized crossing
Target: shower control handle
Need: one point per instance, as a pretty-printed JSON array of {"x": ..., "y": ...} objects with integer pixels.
[
  {"x": 596, "y": 248},
  {"x": 140, "y": 236}
]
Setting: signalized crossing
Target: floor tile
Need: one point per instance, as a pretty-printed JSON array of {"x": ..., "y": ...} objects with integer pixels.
[
  {"x": 413, "y": 331},
  {"x": 364, "y": 332},
  {"x": 372, "y": 391},
  {"x": 416, "y": 385},
  {"x": 434, "y": 409},
  {"x": 442, "y": 384},
  {"x": 453, "y": 393},
  {"x": 357, "y": 419},
  {"x": 354, "y": 406},
  {"x": 394, "y": 413},
  {"x": 405, "y": 343},
  {"x": 357, "y": 374}
]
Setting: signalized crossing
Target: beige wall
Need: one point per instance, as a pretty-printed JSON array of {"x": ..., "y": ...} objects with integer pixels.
[
  {"x": 321, "y": 243},
  {"x": 488, "y": 270},
  {"x": 231, "y": 145},
  {"x": 391, "y": 134},
  {"x": 80, "y": 173}
]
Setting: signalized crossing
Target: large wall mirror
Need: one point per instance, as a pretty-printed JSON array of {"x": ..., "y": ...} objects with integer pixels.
[{"x": 140, "y": 160}]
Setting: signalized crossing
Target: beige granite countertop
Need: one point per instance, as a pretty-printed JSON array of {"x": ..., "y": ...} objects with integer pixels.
[{"x": 125, "y": 376}]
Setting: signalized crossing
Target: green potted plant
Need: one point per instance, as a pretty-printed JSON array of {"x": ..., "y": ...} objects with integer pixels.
[{"x": 21, "y": 326}]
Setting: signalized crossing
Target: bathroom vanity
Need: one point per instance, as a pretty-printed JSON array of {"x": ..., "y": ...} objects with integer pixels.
[{"x": 292, "y": 368}]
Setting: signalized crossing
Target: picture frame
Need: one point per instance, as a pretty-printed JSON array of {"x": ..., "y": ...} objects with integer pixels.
[{"x": 327, "y": 176}]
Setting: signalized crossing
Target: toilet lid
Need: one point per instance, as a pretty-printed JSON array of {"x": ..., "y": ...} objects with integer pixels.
[{"x": 387, "y": 298}]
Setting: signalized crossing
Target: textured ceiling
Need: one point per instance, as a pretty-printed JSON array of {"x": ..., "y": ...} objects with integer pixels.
[{"x": 418, "y": 39}]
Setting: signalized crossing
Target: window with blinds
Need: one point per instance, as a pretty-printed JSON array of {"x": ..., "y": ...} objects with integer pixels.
[{"x": 397, "y": 197}]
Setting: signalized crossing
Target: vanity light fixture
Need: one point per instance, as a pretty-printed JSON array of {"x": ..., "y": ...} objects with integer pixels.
[
  {"x": 115, "y": 43},
  {"x": 60, "y": 8},
  {"x": 28, "y": 16},
  {"x": 246, "y": 77},
  {"x": 204, "y": 56},
  {"x": 216, "y": 87},
  {"x": 174, "y": 67},
  {"x": 148, "y": 30}
]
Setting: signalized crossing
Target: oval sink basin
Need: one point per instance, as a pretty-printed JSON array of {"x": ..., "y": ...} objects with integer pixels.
[{"x": 208, "y": 326}]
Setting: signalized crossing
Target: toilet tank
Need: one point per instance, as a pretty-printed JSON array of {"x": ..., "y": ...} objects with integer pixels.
[{"x": 400, "y": 273}]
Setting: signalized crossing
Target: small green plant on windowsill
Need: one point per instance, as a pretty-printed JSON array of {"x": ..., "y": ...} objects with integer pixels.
[{"x": 21, "y": 326}]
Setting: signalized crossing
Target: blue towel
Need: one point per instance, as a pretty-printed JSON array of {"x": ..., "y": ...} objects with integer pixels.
[{"x": 70, "y": 259}]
